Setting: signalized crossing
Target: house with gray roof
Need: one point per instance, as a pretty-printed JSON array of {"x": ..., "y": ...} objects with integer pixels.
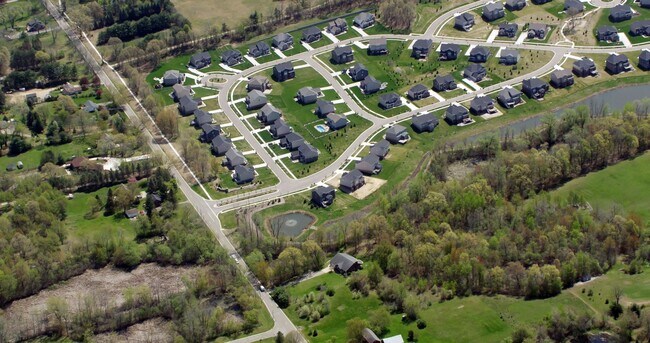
[
  {"x": 449, "y": 51},
  {"x": 307, "y": 95},
  {"x": 243, "y": 174},
  {"x": 607, "y": 33},
  {"x": 283, "y": 41},
  {"x": 377, "y": 46},
  {"x": 280, "y": 129},
  {"x": 179, "y": 91},
  {"x": 620, "y": 13},
  {"x": 369, "y": 336},
  {"x": 444, "y": 83},
  {"x": 464, "y": 22},
  {"x": 337, "y": 26},
  {"x": 259, "y": 49},
  {"x": 509, "y": 57},
  {"x": 172, "y": 77},
  {"x": 231, "y": 57},
  {"x": 540, "y": 2},
  {"x": 426, "y": 122},
  {"x": 418, "y": 92},
  {"x": 421, "y": 48},
  {"x": 562, "y": 78},
  {"x": 509, "y": 97},
  {"x": 640, "y": 28},
  {"x": 283, "y": 71},
  {"x": 369, "y": 165},
  {"x": 475, "y": 72},
  {"x": 34, "y": 25},
  {"x": 268, "y": 114},
  {"x": 306, "y": 153},
  {"x": 479, "y": 54},
  {"x": 220, "y": 145},
  {"x": 358, "y": 72},
  {"x": 644, "y": 3},
  {"x": 364, "y": 20},
  {"x": 90, "y": 107},
  {"x": 234, "y": 158},
  {"x": 336, "y": 121},
  {"x": 350, "y": 182},
  {"x": 258, "y": 82},
  {"x": 324, "y": 107},
  {"x": 200, "y": 118},
  {"x": 311, "y": 34},
  {"x": 370, "y": 85},
  {"x": 209, "y": 132},
  {"x": 323, "y": 196},
  {"x": 389, "y": 100},
  {"x": 255, "y": 99},
  {"x": 456, "y": 114},
  {"x": 397, "y": 134},
  {"x": 537, "y": 30},
  {"x": 187, "y": 105},
  {"x": 381, "y": 149},
  {"x": 493, "y": 11},
  {"x": 200, "y": 60},
  {"x": 644, "y": 59},
  {"x": 292, "y": 141},
  {"x": 617, "y": 63},
  {"x": 573, "y": 6},
  {"x": 585, "y": 67},
  {"x": 481, "y": 104},
  {"x": 342, "y": 55},
  {"x": 515, "y": 5},
  {"x": 534, "y": 88},
  {"x": 508, "y": 30}
]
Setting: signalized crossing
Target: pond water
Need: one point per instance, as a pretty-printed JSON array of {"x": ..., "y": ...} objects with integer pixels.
[
  {"x": 291, "y": 224},
  {"x": 614, "y": 98}
]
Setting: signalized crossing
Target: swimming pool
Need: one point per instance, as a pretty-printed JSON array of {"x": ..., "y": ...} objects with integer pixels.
[{"x": 321, "y": 128}]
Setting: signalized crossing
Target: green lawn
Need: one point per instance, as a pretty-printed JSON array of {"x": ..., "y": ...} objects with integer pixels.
[
  {"x": 32, "y": 158},
  {"x": 624, "y": 26}
]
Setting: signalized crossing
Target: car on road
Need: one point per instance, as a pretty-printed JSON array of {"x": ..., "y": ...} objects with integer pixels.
[
  {"x": 262, "y": 289},
  {"x": 234, "y": 257}
]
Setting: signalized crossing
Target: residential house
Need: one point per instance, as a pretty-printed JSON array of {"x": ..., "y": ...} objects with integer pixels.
[
  {"x": 640, "y": 28},
  {"x": 561, "y": 78},
  {"x": 342, "y": 55},
  {"x": 377, "y": 46},
  {"x": 307, "y": 95},
  {"x": 444, "y": 83},
  {"x": 644, "y": 59},
  {"x": 220, "y": 145},
  {"x": 509, "y": 57},
  {"x": 90, "y": 107},
  {"x": 234, "y": 158},
  {"x": 34, "y": 25},
  {"x": 283, "y": 41},
  {"x": 209, "y": 132},
  {"x": 231, "y": 57},
  {"x": 337, "y": 26},
  {"x": 255, "y": 99},
  {"x": 540, "y": 2},
  {"x": 336, "y": 121},
  {"x": 32, "y": 99},
  {"x": 449, "y": 51},
  {"x": 421, "y": 48},
  {"x": 170, "y": 78},
  {"x": 358, "y": 72},
  {"x": 534, "y": 88},
  {"x": 280, "y": 129},
  {"x": 70, "y": 90},
  {"x": 515, "y": 5},
  {"x": 426, "y": 122},
  {"x": 381, "y": 149},
  {"x": 607, "y": 33},
  {"x": 370, "y": 337},
  {"x": 187, "y": 105},
  {"x": 620, "y": 13},
  {"x": 475, "y": 72},
  {"x": 509, "y": 97},
  {"x": 306, "y": 153},
  {"x": 617, "y": 63},
  {"x": 259, "y": 49},
  {"x": 243, "y": 174},
  {"x": 456, "y": 114},
  {"x": 418, "y": 92},
  {"x": 201, "y": 118},
  {"x": 644, "y": 3},
  {"x": 323, "y": 196},
  {"x": 179, "y": 91},
  {"x": 364, "y": 20},
  {"x": 389, "y": 100},
  {"x": 292, "y": 141},
  {"x": 537, "y": 30},
  {"x": 573, "y": 6},
  {"x": 370, "y": 85},
  {"x": 397, "y": 134},
  {"x": 311, "y": 34},
  {"x": 464, "y": 22},
  {"x": 479, "y": 54},
  {"x": 324, "y": 107},
  {"x": 351, "y": 181},
  {"x": 585, "y": 67},
  {"x": 131, "y": 213},
  {"x": 258, "y": 82},
  {"x": 481, "y": 104},
  {"x": 268, "y": 114},
  {"x": 369, "y": 165},
  {"x": 493, "y": 11},
  {"x": 508, "y": 30},
  {"x": 283, "y": 71},
  {"x": 200, "y": 60}
]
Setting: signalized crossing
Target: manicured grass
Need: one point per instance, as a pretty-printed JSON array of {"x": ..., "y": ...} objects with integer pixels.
[
  {"x": 32, "y": 158},
  {"x": 427, "y": 12},
  {"x": 624, "y": 26}
]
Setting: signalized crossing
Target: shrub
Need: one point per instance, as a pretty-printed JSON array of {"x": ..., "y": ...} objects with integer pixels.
[{"x": 422, "y": 324}]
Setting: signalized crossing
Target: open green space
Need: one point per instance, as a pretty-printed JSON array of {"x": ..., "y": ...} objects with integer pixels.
[
  {"x": 32, "y": 158},
  {"x": 624, "y": 26},
  {"x": 427, "y": 12}
]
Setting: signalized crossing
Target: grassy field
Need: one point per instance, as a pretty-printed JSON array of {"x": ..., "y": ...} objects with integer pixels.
[
  {"x": 427, "y": 12},
  {"x": 602, "y": 18},
  {"x": 31, "y": 159}
]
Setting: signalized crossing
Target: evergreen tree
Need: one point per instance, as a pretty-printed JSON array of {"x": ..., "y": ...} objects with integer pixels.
[
  {"x": 149, "y": 205},
  {"x": 109, "y": 208}
]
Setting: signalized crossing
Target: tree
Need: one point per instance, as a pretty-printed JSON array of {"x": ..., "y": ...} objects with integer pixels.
[
  {"x": 397, "y": 14},
  {"x": 109, "y": 208},
  {"x": 314, "y": 255},
  {"x": 167, "y": 121},
  {"x": 281, "y": 296},
  {"x": 149, "y": 205},
  {"x": 354, "y": 328},
  {"x": 279, "y": 338},
  {"x": 126, "y": 255},
  {"x": 379, "y": 320},
  {"x": 58, "y": 308},
  {"x": 290, "y": 262}
]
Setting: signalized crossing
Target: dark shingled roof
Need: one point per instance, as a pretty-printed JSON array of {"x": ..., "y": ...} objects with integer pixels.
[{"x": 343, "y": 260}]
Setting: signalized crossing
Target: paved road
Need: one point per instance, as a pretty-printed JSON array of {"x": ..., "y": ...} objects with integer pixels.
[{"x": 209, "y": 210}]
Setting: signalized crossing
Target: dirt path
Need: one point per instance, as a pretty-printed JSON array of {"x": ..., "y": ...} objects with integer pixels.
[{"x": 596, "y": 312}]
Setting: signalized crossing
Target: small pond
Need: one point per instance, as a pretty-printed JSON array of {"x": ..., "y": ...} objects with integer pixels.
[{"x": 291, "y": 224}]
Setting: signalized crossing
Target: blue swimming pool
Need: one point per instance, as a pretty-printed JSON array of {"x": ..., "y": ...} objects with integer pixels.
[{"x": 321, "y": 128}]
